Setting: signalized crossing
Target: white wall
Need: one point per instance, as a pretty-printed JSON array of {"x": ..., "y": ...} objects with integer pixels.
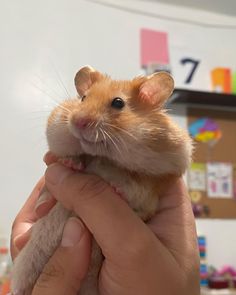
[{"x": 37, "y": 37}]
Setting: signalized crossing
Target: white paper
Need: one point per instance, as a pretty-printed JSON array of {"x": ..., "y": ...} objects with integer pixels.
[
  {"x": 219, "y": 180},
  {"x": 197, "y": 177}
]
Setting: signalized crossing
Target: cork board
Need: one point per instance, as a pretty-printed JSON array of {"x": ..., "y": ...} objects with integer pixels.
[{"x": 223, "y": 151}]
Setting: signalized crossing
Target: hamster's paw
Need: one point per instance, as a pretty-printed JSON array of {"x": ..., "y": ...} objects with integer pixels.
[
  {"x": 26, "y": 269},
  {"x": 18, "y": 286},
  {"x": 26, "y": 292}
]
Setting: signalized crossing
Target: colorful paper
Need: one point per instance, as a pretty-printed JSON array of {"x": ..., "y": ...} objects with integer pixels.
[
  {"x": 221, "y": 80},
  {"x": 234, "y": 181},
  {"x": 219, "y": 180},
  {"x": 234, "y": 189},
  {"x": 197, "y": 177},
  {"x": 234, "y": 83},
  {"x": 154, "y": 48},
  {"x": 205, "y": 130},
  {"x": 195, "y": 196}
]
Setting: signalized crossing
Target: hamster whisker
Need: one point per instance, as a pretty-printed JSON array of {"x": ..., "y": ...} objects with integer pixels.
[
  {"x": 38, "y": 117},
  {"x": 62, "y": 121},
  {"x": 115, "y": 145},
  {"x": 38, "y": 113},
  {"x": 61, "y": 124},
  {"x": 104, "y": 136},
  {"x": 121, "y": 140},
  {"x": 43, "y": 108},
  {"x": 96, "y": 138},
  {"x": 68, "y": 96},
  {"x": 91, "y": 124},
  {"x": 55, "y": 93},
  {"x": 121, "y": 129},
  {"x": 44, "y": 92},
  {"x": 97, "y": 124},
  {"x": 65, "y": 120},
  {"x": 166, "y": 110},
  {"x": 61, "y": 83},
  {"x": 65, "y": 109}
]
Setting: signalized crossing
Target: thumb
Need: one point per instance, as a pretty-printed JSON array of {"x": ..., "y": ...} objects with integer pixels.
[{"x": 67, "y": 268}]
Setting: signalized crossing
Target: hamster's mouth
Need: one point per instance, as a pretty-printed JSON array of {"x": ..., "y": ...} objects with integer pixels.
[{"x": 91, "y": 142}]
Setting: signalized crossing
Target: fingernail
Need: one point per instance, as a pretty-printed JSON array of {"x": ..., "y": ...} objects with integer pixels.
[
  {"x": 44, "y": 205},
  {"x": 72, "y": 232},
  {"x": 45, "y": 158},
  {"x": 44, "y": 198},
  {"x": 55, "y": 173},
  {"x": 20, "y": 240},
  {"x": 16, "y": 242},
  {"x": 49, "y": 157}
]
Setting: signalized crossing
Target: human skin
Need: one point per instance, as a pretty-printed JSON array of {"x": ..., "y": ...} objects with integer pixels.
[{"x": 160, "y": 257}]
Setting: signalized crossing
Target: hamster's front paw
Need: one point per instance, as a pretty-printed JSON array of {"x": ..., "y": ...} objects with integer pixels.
[
  {"x": 45, "y": 238},
  {"x": 26, "y": 269},
  {"x": 25, "y": 292}
]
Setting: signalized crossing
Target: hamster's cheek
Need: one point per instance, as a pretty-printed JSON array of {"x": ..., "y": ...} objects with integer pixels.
[{"x": 61, "y": 141}]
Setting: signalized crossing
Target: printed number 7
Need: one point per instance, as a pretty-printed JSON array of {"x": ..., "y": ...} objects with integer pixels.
[{"x": 195, "y": 64}]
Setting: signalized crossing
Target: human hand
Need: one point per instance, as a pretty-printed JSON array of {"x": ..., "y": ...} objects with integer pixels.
[
  {"x": 168, "y": 251},
  {"x": 156, "y": 258},
  {"x": 34, "y": 208},
  {"x": 68, "y": 266}
]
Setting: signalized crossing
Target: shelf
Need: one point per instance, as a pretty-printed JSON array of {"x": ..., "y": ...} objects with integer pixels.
[
  {"x": 205, "y": 291},
  {"x": 184, "y": 96}
]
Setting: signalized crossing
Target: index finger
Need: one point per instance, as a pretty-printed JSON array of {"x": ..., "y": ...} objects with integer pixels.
[
  {"x": 27, "y": 215},
  {"x": 174, "y": 224}
]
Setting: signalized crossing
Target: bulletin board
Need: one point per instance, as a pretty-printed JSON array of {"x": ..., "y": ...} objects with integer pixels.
[{"x": 223, "y": 151}]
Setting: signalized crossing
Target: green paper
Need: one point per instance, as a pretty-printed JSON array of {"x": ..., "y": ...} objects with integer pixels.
[{"x": 234, "y": 83}]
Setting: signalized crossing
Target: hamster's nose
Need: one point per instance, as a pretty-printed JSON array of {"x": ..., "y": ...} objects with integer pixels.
[{"x": 82, "y": 123}]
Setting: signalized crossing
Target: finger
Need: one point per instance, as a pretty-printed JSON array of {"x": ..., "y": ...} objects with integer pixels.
[
  {"x": 44, "y": 204},
  {"x": 174, "y": 207},
  {"x": 67, "y": 268},
  {"x": 100, "y": 209},
  {"x": 26, "y": 217},
  {"x": 22, "y": 225},
  {"x": 20, "y": 241},
  {"x": 50, "y": 158},
  {"x": 27, "y": 212},
  {"x": 176, "y": 214},
  {"x": 175, "y": 195}
]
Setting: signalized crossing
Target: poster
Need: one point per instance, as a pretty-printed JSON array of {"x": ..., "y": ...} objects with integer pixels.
[
  {"x": 205, "y": 130},
  {"x": 154, "y": 47},
  {"x": 197, "y": 177},
  {"x": 219, "y": 180},
  {"x": 234, "y": 181}
]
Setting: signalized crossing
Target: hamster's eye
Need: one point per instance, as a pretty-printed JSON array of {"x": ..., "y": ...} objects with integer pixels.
[
  {"x": 83, "y": 97},
  {"x": 118, "y": 103}
]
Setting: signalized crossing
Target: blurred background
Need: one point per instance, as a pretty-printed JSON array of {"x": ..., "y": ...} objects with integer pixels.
[{"x": 44, "y": 43}]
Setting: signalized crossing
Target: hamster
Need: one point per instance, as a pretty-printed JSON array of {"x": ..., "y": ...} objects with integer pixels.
[{"x": 120, "y": 131}]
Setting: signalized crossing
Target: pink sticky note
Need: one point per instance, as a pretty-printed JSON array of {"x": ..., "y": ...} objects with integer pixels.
[{"x": 154, "y": 47}]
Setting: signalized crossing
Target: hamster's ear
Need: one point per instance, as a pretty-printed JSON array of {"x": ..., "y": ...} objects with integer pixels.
[
  {"x": 157, "y": 88},
  {"x": 85, "y": 78}
]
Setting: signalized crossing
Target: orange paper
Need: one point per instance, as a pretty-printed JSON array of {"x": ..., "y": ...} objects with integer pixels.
[
  {"x": 221, "y": 80},
  {"x": 5, "y": 288}
]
